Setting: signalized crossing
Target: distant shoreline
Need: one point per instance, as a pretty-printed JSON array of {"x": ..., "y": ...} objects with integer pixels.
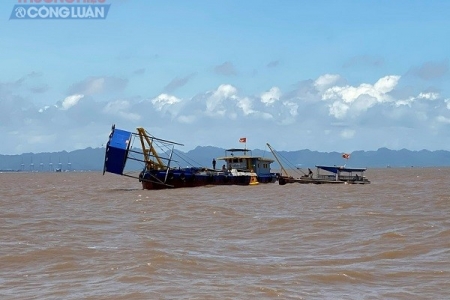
[{"x": 91, "y": 159}]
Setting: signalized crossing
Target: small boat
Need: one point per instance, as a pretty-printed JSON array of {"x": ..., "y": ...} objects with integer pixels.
[
  {"x": 325, "y": 174},
  {"x": 160, "y": 158},
  {"x": 336, "y": 174}
]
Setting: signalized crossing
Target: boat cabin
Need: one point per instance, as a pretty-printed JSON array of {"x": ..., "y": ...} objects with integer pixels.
[
  {"x": 342, "y": 173},
  {"x": 243, "y": 160}
]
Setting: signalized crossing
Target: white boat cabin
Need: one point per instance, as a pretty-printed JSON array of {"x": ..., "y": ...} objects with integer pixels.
[{"x": 242, "y": 159}]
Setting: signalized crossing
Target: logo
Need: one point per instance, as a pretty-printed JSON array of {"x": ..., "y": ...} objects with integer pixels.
[{"x": 60, "y": 10}]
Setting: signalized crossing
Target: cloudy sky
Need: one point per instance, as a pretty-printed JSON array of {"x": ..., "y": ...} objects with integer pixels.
[{"x": 319, "y": 75}]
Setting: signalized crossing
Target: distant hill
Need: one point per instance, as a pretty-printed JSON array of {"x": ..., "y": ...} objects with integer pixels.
[{"x": 90, "y": 159}]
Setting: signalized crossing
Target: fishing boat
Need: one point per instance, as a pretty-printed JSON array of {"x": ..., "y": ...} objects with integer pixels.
[
  {"x": 336, "y": 174},
  {"x": 162, "y": 163},
  {"x": 324, "y": 174}
]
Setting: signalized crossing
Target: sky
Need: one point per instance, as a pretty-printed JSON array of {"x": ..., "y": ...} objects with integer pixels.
[{"x": 319, "y": 75}]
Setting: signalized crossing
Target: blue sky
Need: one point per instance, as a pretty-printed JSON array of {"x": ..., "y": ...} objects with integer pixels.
[{"x": 319, "y": 75}]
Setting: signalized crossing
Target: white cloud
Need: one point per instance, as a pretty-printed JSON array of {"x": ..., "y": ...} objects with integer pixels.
[
  {"x": 359, "y": 98},
  {"x": 320, "y": 114},
  {"x": 225, "y": 91},
  {"x": 214, "y": 103},
  {"x": 349, "y": 94},
  {"x": 121, "y": 109},
  {"x": 70, "y": 101},
  {"x": 290, "y": 112},
  {"x": 443, "y": 119},
  {"x": 385, "y": 85},
  {"x": 116, "y": 106},
  {"x": 246, "y": 105},
  {"x": 406, "y": 102},
  {"x": 95, "y": 86},
  {"x": 164, "y": 100},
  {"x": 271, "y": 96},
  {"x": 338, "y": 109},
  {"x": 292, "y": 108},
  {"x": 422, "y": 96},
  {"x": 428, "y": 96},
  {"x": 326, "y": 81},
  {"x": 447, "y": 102},
  {"x": 47, "y": 107}
]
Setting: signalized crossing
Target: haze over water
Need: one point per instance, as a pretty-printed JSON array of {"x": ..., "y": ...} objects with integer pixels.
[{"x": 88, "y": 236}]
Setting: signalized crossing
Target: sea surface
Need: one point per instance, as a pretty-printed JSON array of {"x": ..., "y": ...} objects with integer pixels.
[{"x": 86, "y": 236}]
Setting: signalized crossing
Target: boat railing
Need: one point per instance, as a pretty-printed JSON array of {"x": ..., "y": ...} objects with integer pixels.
[
  {"x": 326, "y": 177},
  {"x": 351, "y": 177}
]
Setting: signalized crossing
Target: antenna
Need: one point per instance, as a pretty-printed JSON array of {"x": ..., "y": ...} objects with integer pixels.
[
  {"x": 32, "y": 164},
  {"x": 50, "y": 164},
  {"x": 69, "y": 164},
  {"x": 59, "y": 165}
]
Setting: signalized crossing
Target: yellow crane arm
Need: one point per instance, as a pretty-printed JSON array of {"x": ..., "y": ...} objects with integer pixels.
[{"x": 150, "y": 164}]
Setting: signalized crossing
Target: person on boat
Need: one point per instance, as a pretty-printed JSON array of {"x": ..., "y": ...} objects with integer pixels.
[
  {"x": 310, "y": 173},
  {"x": 214, "y": 163}
]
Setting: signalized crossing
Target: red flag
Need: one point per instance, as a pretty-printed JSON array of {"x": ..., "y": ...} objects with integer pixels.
[
  {"x": 346, "y": 155},
  {"x": 243, "y": 140}
]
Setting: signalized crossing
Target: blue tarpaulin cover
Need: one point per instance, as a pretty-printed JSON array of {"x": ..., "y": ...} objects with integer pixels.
[{"x": 117, "y": 151}]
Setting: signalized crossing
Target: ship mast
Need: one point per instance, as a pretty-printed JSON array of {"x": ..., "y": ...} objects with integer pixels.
[{"x": 279, "y": 162}]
